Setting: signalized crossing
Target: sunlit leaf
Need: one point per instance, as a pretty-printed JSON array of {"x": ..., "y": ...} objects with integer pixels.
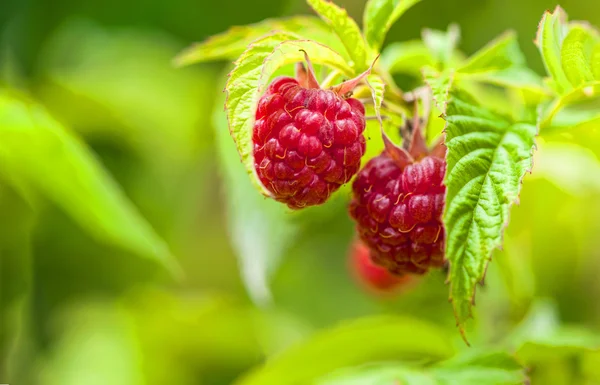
[
  {"x": 347, "y": 29},
  {"x": 472, "y": 368},
  {"x": 378, "y": 89},
  {"x": 521, "y": 78},
  {"x": 379, "y": 339},
  {"x": 406, "y": 57},
  {"x": 379, "y": 17},
  {"x": 440, "y": 84},
  {"x": 487, "y": 157},
  {"x": 499, "y": 54},
  {"x": 233, "y": 42},
  {"x": 550, "y": 35},
  {"x": 575, "y": 107},
  {"x": 496, "y": 368},
  {"x": 442, "y": 45},
  {"x": 575, "y": 53}
]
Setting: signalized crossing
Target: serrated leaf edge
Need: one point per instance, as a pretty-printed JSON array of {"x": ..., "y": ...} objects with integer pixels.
[{"x": 459, "y": 324}]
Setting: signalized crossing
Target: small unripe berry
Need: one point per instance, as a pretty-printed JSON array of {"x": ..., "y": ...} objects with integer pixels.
[{"x": 372, "y": 277}]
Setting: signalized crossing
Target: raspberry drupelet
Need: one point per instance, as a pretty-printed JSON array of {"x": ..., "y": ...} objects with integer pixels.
[
  {"x": 307, "y": 141},
  {"x": 398, "y": 201}
]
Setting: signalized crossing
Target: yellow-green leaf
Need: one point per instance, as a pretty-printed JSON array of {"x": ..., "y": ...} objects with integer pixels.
[
  {"x": 230, "y": 44},
  {"x": 347, "y": 30},
  {"x": 379, "y": 17}
]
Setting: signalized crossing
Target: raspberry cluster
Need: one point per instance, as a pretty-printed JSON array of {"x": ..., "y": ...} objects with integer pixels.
[{"x": 307, "y": 142}]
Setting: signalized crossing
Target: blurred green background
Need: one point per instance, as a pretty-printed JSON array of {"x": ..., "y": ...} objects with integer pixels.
[{"x": 76, "y": 310}]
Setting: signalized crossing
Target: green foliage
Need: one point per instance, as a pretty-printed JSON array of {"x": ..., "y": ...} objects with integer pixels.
[
  {"x": 488, "y": 155},
  {"x": 380, "y": 338},
  {"x": 486, "y": 368},
  {"x": 347, "y": 30},
  {"x": 406, "y": 57},
  {"x": 67, "y": 297},
  {"x": 502, "y": 53},
  {"x": 442, "y": 45},
  {"x": 379, "y": 17},
  {"x": 440, "y": 85},
  {"x": 569, "y": 51},
  {"x": 550, "y": 35},
  {"x": 55, "y": 163},
  {"x": 231, "y": 44}
]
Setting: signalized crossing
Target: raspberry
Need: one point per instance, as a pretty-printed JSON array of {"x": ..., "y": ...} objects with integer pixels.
[
  {"x": 307, "y": 142},
  {"x": 371, "y": 276},
  {"x": 398, "y": 209}
]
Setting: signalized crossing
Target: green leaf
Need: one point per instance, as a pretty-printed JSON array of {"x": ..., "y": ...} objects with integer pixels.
[
  {"x": 54, "y": 162},
  {"x": 406, "y": 57},
  {"x": 16, "y": 227},
  {"x": 261, "y": 230},
  {"x": 521, "y": 78},
  {"x": 487, "y": 157},
  {"x": 565, "y": 341},
  {"x": 378, "y": 90},
  {"x": 379, "y": 17},
  {"x": 502, "y": 63},
  {"x": 500, "y": 54},
  {"x": 551, "y": 32},
  {"x": 230, "y": 44},
  {"x": 442, "y": 45},
  {"x": 595, "y": 61},
  {"x": 440, "y": 84},
  {"x": 577, "y": 106},
  {"x": 353, "y": 343},
  {"x": 250, "y": 77},
  {"x": 496, "y": 368},
  {"x": 347, "y": 30},
  {"x": 382, "y": 374},
  {"x": 540, "y": 336},
  {"x": 576, "y": 53}
]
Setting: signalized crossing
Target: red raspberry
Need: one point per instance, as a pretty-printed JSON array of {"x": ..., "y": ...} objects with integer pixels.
[
  {"x": 398, "y": 210},
  {"x": 371, "y": 276},
  {"x": 307, "y": 142}
]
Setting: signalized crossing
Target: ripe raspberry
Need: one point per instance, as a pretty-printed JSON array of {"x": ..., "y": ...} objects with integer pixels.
[
  {"x": 307, "y": 142},
  {"x": 398, "y": 209},
  {"x": 371, "y": 276}
]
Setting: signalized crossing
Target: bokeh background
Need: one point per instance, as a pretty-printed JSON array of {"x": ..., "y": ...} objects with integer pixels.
[{"x": 75, "y": 311}]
